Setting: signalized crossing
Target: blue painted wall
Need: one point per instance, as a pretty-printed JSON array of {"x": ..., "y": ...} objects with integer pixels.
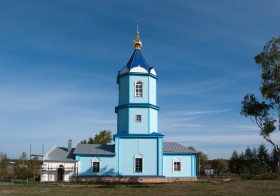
[
  {"x": 188, "y": 166},
  {"x": 152, "y": 91},
  {"x": 108, "y": 165},
  {"x": 160, "y": 157},
  {"x": 129, "y": 147},
  {"x": 123, "y": 120},
  {"x": 153, "y": 122},
  {"x": 124, "y": 90},
  {"x": 138, "y": 127}
]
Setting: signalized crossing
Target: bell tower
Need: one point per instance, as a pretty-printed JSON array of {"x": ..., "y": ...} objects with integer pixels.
[{"x": 137, "y": 109}]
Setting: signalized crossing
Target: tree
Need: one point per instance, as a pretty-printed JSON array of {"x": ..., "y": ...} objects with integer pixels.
[
  {"x": 242, "y": 164},
  {"x": 103, "y": 137},
  {"x": 3, "y": 165},
  {"x": 263, "y": 157},
  {"x": 221, "y": 165},
  {"x": 203, "y": 158},
  {"x": 91, "y": 141},
  {"x": 23, "y": 156},
  {"x": 266, "y": 113},
  {"x": 234, "y": 162},
  {"x": 84, "y": 141},
  {"x": 22, "y": 168},
  {"x": 251, "y": 163}
]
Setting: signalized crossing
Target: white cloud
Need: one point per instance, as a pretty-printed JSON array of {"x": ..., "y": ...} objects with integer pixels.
[
  {"x": 180, "y": 119},
  {"x": 187, "y": 125},
  {"x": 15, "y": 99},
  {"x": 243, "y": 127},
  {"x": 105, "y": 121},
  {"x": 195, "y": 88},
  {"x": 188, "y": 113},
  {"x": 218, "y": 139}
]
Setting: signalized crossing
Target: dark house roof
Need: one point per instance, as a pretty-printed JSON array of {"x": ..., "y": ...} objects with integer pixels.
[
  {"x": 206, "y": 167},
  {"x": 96, "y": 149},
  {"x": 60, "y": 154},
  {"x": 175, "y": 148}
]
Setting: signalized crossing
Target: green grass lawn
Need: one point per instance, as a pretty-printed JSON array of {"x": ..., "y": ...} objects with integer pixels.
[{"x": 205, "y": 187}]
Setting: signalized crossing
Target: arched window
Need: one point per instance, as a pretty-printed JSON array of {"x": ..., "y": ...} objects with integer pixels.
[
  {"x": 95, "y": 164},
  {"x": 176, "y": 165},
  {"x": 138, "y": 163},
  {"x": 138, "y": 89}
]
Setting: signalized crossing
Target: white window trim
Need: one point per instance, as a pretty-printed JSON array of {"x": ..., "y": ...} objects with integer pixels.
[
  {"x": 176, "y": 160},
  {"x": 134, "y": 162},
  {"x": 142, "y": 89},
  {"x": 95, "y": 159}
]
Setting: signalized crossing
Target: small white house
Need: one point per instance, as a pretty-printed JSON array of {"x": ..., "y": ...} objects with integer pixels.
[{"x": 59, "y": 164}]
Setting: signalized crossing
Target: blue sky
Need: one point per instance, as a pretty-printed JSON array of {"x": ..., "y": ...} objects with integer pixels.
[{"x": 59, "y": 61}]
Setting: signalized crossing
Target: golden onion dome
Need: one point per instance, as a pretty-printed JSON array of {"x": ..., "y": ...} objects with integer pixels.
[{"x": 137, "y": 42}]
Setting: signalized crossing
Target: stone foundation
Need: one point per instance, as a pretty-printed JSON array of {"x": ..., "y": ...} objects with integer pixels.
[{"x": 133, "y": 179}]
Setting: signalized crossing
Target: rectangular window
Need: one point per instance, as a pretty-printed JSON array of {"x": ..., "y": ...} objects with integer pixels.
[
  {"x": 177, "y": 166},
  {"x": 95, "y": 166},
  {"x": 138, "y": 164},
  {"x": 138, "y": 118}
]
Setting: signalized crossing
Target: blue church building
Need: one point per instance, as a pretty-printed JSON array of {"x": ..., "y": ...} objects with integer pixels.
[{"x": 139, "y": 152}]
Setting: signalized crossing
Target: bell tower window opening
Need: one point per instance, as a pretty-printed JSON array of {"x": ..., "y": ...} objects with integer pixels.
[
  {"x": 138, "y": 118},
  {"x": 139, "y": 89}
]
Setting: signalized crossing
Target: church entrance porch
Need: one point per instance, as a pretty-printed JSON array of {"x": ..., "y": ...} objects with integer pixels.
[{"x": 60, "y": 173}]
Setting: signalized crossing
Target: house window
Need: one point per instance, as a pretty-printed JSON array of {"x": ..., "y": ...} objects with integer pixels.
[
  {"x": 95, "y": 165},
  {"x": 138, "y": 163},
  {"x": 176, "y": 165},
  {"x": 139, "y": 89},
  {"x": 138, "y": 118}
]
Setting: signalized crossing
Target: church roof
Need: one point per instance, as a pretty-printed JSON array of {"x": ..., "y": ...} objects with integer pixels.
[
  {"x": 60, "y": 154},
  {"x": 97, "y": 149},
  {"x": 175, "y": 148},
  {"x": 137, "y": 60}
]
